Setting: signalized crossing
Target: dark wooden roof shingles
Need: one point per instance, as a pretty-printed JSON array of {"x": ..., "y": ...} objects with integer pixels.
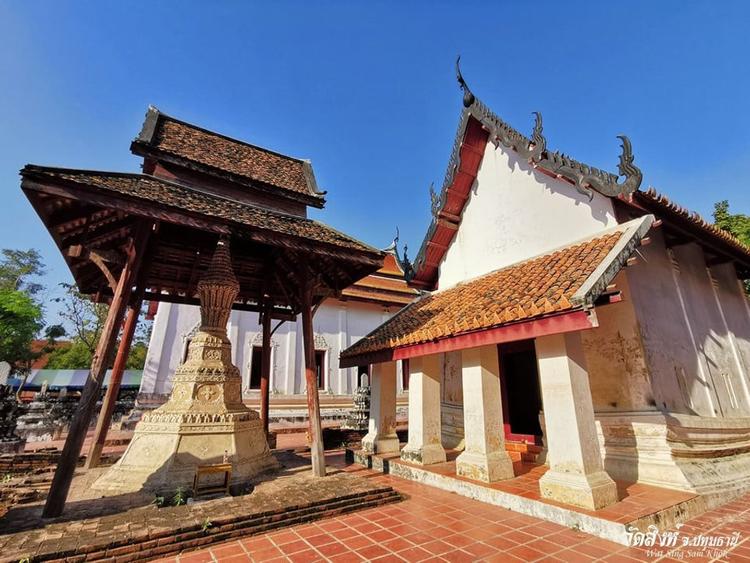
[
  {"x": 184, "y": 198},
  {"x": 219, "y": 153}
]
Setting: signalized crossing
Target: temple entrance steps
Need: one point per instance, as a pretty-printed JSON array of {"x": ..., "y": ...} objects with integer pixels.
[
  {"x": 639, "y": 506},
  {"x": 526, "y": 452}
]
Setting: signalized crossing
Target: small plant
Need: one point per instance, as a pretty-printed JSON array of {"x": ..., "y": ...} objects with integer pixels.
[
  {"x": 158, "y": 501},
  {"x": 180, "y": 496},
  {"x": 206, "y": 525},
  {"x": 25, "y": 560},
  {"x": 6, "y": 478}
]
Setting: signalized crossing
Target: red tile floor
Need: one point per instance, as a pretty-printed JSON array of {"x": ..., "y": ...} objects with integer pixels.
[
  {"x": 636, "y": 500},
  {"x": 435, "y": 525}
]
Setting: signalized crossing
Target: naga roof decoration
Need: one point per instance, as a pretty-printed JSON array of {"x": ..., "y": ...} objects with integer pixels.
[
  {"x": 477, "y": 118},
  {"x": 585, "y": 178}
]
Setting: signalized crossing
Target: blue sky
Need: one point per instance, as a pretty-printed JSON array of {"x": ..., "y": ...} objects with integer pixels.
[{"x": 367, "y": 91}]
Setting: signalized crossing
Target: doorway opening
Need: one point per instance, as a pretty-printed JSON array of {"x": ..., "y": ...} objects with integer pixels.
[
  {"x": 320, "y": 366},
  {"x": 255, "y": 367},
  {"x": 522, "y": 401}
]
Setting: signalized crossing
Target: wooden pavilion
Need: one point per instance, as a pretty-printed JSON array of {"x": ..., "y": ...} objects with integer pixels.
[{"x": 133, "y": 237}]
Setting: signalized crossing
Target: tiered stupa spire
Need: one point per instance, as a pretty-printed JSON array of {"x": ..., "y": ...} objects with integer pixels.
[{"x": 204, "y": 421}]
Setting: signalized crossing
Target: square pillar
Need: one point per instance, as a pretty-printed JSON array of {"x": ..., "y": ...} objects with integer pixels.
[
  {"x": 484, "y": 457},
  {"x": 576, "y": 475},
  {"x": 425, "y": 443},
  {"x": 381, "y": 437}
]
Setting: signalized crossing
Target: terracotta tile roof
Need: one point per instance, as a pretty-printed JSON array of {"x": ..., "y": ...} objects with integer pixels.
[
  {"x": 385, "y": 290},
  {"x": 360, "y": 293},
  {"x": 169, "y": 136},
  {"x": 542, "y": 286},
  {"x": 391, "y": 266},
  {"x": 656, "y": 202},
  {"x": 171, "y": 194}
]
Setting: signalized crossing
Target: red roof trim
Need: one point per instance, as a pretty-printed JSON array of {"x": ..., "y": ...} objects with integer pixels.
[
  {"x": 445, "y": 224},
  {"x": 557, "y": 324}
]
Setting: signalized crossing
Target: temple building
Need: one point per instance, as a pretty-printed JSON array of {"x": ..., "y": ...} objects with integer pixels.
[
  {"x": 338, "y": 323},
  {"x": 569, "y": 309}
]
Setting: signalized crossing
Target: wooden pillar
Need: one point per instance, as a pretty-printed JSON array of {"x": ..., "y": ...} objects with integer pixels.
[
  {"x": 58, "y": 491},
  {"x": 265, "y": 370},
  {"x": 313, "y": 401},
  {"x": 113, "y": 390}
]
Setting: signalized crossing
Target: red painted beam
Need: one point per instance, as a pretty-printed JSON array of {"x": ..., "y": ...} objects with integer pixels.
[{"x": 557, "y": 324}]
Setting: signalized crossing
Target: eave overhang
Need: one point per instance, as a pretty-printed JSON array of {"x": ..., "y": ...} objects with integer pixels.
[
  {"x": 556, "y": 324},
  {"x": 577, "y": 313}
]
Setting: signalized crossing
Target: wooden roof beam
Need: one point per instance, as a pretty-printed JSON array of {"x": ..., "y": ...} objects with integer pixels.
[{"x": 276, "y": 312}]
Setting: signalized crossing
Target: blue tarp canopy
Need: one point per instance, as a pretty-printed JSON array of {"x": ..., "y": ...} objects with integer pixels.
[{"x": 73, "y": 378}]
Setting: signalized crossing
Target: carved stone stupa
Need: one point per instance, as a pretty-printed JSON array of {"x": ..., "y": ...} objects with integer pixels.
[{"x": 204, "y": 422}]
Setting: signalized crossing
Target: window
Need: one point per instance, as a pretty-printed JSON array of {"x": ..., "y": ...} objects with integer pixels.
[
  {"x": 363, "y": 376},
  {"x": 320, "y": 366},
  {"x": 186, "y": 349},
  {"x": 256, "y": 363},
  {"x": 405, "y": 374}
]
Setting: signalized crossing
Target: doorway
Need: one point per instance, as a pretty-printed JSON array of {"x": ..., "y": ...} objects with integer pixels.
[
  {"x": 256, "y": 361},
  {"x": 320, "y": 366},
  {"x": 522, "y": 401}
]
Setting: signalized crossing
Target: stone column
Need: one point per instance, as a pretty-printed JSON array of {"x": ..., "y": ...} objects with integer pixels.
[
  {"x": 484, "y": 457},
  {"x": 576, "y": 475},
  {"x": 425, "y": 444},
  {"x": 381, "y": 437}
]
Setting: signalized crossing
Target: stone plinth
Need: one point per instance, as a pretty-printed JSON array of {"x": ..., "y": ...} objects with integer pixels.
[
  {"x": 359, "y": 417},
  {"x": 37, "y": 425},
  {"x": 10, "y": 442},
  {"x": 204, "y": 422}
]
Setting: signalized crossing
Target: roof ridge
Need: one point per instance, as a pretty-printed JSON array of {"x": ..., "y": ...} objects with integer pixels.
[
  {"x": 693, "y": 216},
  {"x": 159, "y": 113},
  {"x": 583, "y": 176}
]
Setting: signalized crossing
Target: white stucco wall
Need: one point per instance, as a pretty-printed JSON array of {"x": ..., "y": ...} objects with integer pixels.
[
  {"x": 695, "y": 328},
  {"x": 337, "y": 325},
  {"x": 515, "y": 212}
]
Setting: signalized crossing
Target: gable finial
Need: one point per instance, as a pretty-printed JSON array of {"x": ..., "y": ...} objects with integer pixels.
[
  {"x": 434, "y": 199},
  {"x": 406, "y": 265},
  {"x": 468, "y": 96},
  {"x": 587, "y": 181},
  {"x": 393, "y": 247}
]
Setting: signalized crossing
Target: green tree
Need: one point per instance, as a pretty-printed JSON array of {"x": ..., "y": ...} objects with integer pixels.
[
  {"x": 137, "y": 356},
  {"x": 74, "y": 355},
  {"x": 84, "y": 317},
  {"x": 20, "y": 321},
  {"x": 21, "y": 311},
  {"x": 86, "y": 320},
  {"x": 17, "y": 266},
  {"x": 737, "y": 224}
]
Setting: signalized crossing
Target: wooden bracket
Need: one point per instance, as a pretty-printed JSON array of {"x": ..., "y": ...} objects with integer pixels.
[{"x": 100, "y": 258}]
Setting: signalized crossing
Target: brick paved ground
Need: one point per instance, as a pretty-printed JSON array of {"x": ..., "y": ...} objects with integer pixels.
[{"x": 434, "y": 525}]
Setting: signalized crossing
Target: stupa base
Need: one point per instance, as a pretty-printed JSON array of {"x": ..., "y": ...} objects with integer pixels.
[{"x": 167, "y": 449}]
